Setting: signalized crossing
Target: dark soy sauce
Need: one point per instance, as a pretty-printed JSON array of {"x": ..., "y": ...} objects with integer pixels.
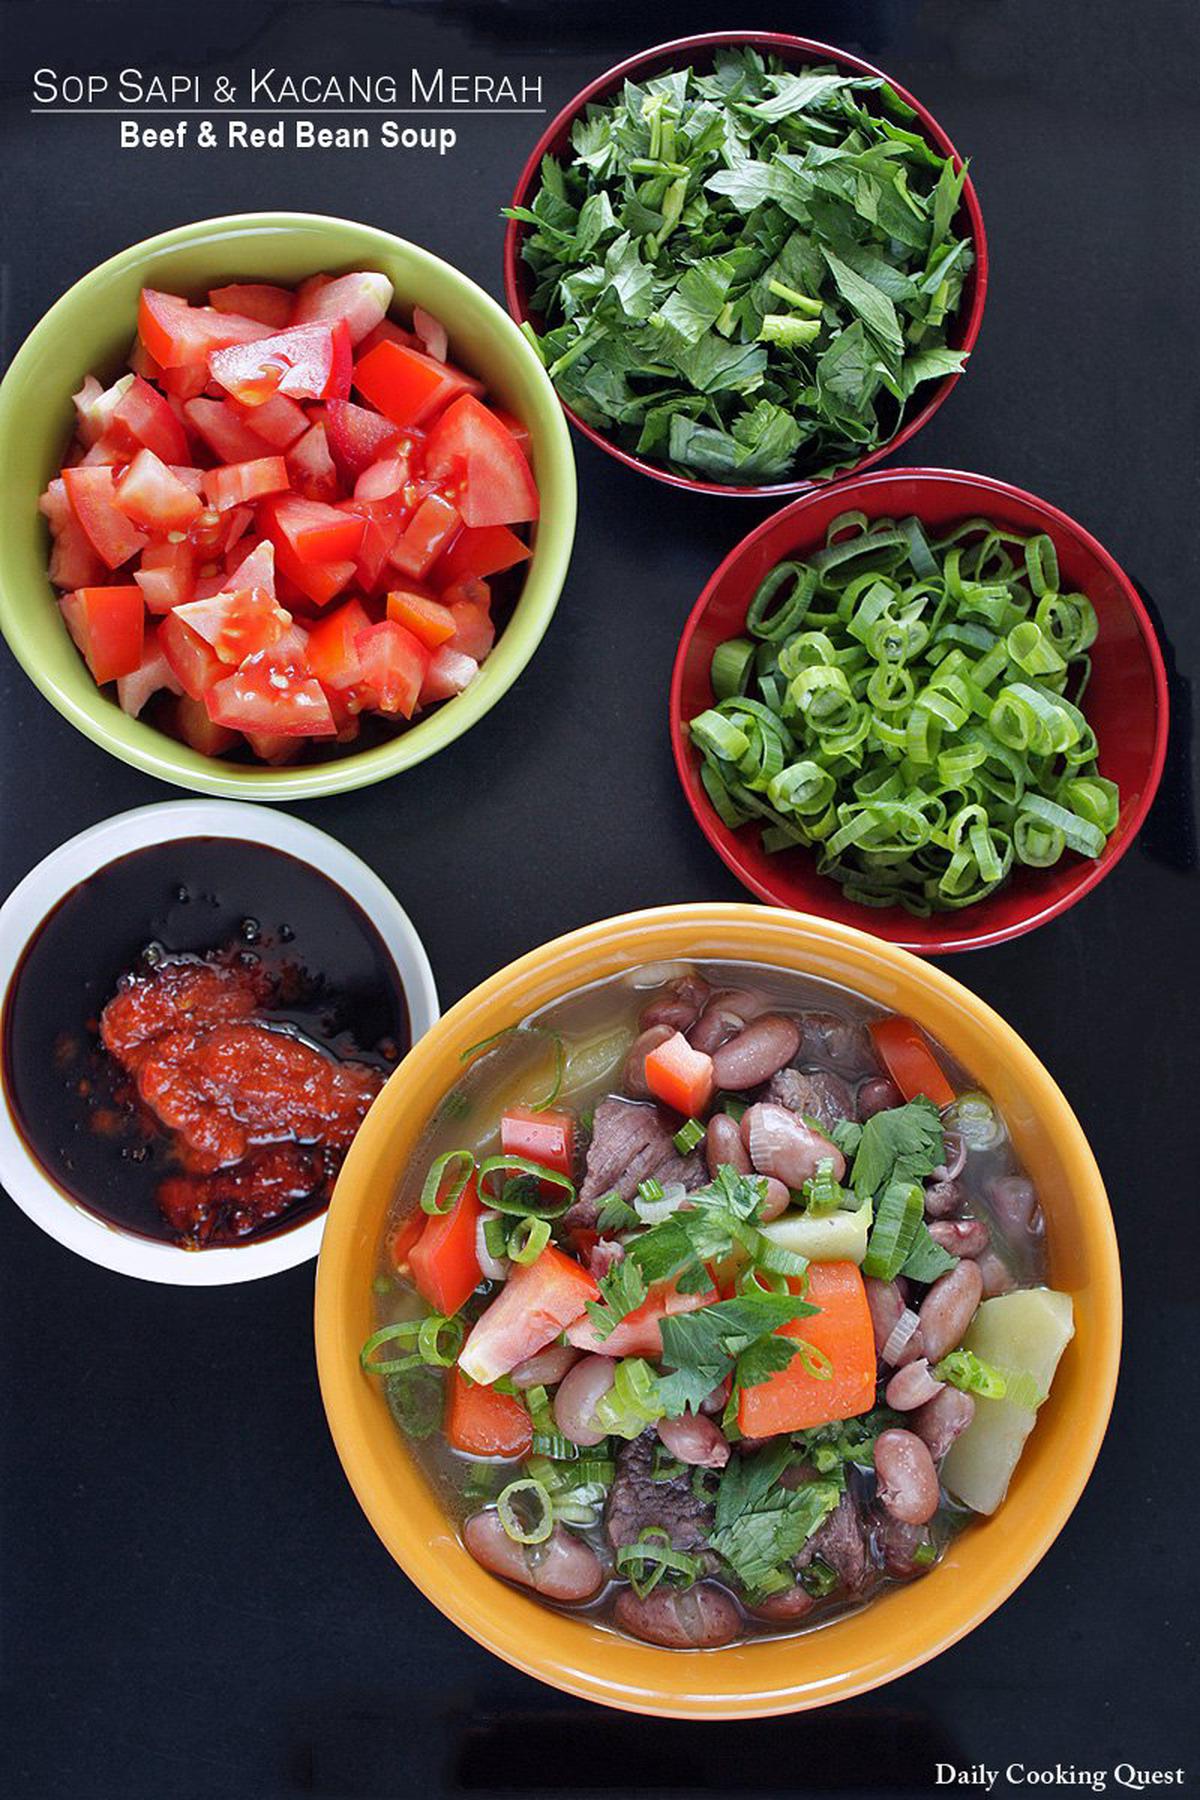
[{"x": 69, "y": 1100}]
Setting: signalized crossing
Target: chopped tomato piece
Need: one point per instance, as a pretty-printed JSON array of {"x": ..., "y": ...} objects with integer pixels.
[
  {"x": 538, "y": 1300},
  {"x": 142, "y": 416},
  {"x": 445, "y": 1267},
  {"x": 278, "y": 421},
  {"x": 393, "y": 664},
  {"x": 357, "y": 436},
  {"x": 112, "y": 535},
  {"x": 407, "y": 386},
  {"x": 679, "y": 1076},
  {"x": 427, "y": 619},
  {"x": 176, "y": 334},
  {"x": 197, "y": 729},
  {"x": 471, "y": 446},
  {"x": 480, "y": 1422},
  {"x": 402, "y": 1238},
  {"x": 270, "y": 748},
  {"x": 149, "y": 494},
  {"x": 311, "y": 468},
  {"x": 474, "y": 633},
  {"x": 449, "y": 672},
  {"x": 519, "y": 430},
  {"x": 152, "y": 675},
  {"x": 237, "y": 623},
  {"x": 386, "y": 479},
  {"x": 107, "y": 624},
  {"x": 792, "y": 1399},
  {"x": 388, "y": 332},
  {"x": 332, "y": 653},
  {"x": 268, "y": 696},
  {"x": 224, "y": 430},
  {"x": 166, "y": 574},
  {"x": 236, "y": 484},
  {"x": 312, "y": 531},
  {"x": 308, "y": 362},
  {"x": 259, "y": 300},
  {"x": 383, "y": 521},
  {"x": 471, "y": 588},
  {"x": 95, "y": 406},
  {"x": 546, "y": 1138},
  {"x": 484, "y": 552},
  {"x": 909, "y": 1060},
  {"x": 195, "y": 664},
  {"x": 425, "y": 536},
  {"x": 640, "y": 1332},
  {"x": 359, "y": 300}
]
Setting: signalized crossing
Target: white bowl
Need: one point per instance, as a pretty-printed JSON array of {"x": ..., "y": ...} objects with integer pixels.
[{"x": 31, "y": 902}]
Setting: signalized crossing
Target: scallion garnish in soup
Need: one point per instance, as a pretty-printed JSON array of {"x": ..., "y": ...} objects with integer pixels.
[{"x": 714, "y": 1302}]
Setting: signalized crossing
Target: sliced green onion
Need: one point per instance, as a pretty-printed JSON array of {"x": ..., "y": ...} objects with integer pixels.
[
  {"x": 731, "y": 666},
  {"x": 511, "y": 1031},
  {"x": 553, "y": 1445},
  {"x": 653, "y": 1556},
  {"x": 819, "y": 1578},
  {"x": 495, "y": 1239},
  {"x": 524, "y": 1196},
  {"x": 689, "y": 1136},
  {"x": 632, "y": 1402},
  {"x": 925, "y": 1555},
  {"x": 440, "y": 1339},
  {"x": 406, "y": 1331},
  {"x": 461, "y": 1165},
  {"x": 527, "y": 1239},
  {"x": 900, "y": 1211},
  {"x": 650, "y": 1191},
  {"x": 526, "y": 1511},
  {"x": 963, "y": 1369}
]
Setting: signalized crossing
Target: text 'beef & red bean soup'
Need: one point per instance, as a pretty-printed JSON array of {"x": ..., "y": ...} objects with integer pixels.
[{"x": 713, "y": 1302}]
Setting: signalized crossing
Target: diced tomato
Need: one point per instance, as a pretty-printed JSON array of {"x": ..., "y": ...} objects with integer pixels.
[
  {"x": 471, "y": 589},
  {"x": 318, "y": 582},
  {"x": 357, "y": 436},
  {"x": 546, "y": 1138},
  {"x": 426, "y": 535},
  {"x": 272, "y": 749},
  {"x": 471, "y": 446},
  {"x": 393, "y": 664},
  {"x": 112, "y": 535},
  {"x": 449, "y": 672},
  {"x": 388, "y": 332},
  {"x": 236, "y": 624},
  {"x": 538, "y": 1300},
  {"x": 384, "y": 479},
  {"x": 480, "y": 1422},
  {"x": 196, "y": 664},
  {"x": 238, "y": 522},
  {"x": 197, "y": 729},
  {"x": 267, "y": 696},
  {"x": 149, "y": 494},
  {"x": 680, "y": 1076},
  {"x": 360, "y": 300},
  {"x": 259, "y": 300},
  {"x": 95, "y": 406},
  {"x": 434, "y": 338},
  {"x": 909, "y": 1061},
  {"x": 402, "y": 1238},
  {"x": 474, "y": 633},
  {"x": 383, "y": 521},
  {"x": 791, "y": 1399},
  {"x": 73, "y": 562},
  {"x": 142, "y": 416},
  {"x": 224, "y": 430},
  {"x": 192, "y": 479},
  {"x": 312, "y": 531},
  {"x": 639, "y": 1332},
  {"x": 256, "y": 569},
  {"x": 332, "y": 646},
  {"x": 177, "y": 334},
  {"x": 185, "y": 382},
  {"x": 278, "y": 421},
  {"x": 407, "y": 386},
  {"x": 142, "y": 363},
  {"x": 519, "y": 430},
  {"x": 427, "y": 619},
  {"x": 152, "y": 675},
  {"x": 238, "y": 484},
  {"x": 445, "y": 1267},
  {"x": 54, "y": 505},
  {"x": 310, "y": 466},
  {"x": 107, "y": 624},
  {"x": 484, "y": 552},
  {"x": 166, "y": 575},
  {"x": 307, "y": 362}
]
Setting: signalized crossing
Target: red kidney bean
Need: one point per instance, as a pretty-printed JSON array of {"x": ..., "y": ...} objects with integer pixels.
[
  {"x": 781, "y": 1144},
  {"x": 1013, "y": 1203},
  {"x": 575, "y": 1402},
  {"x": 956, "y": 1158},
  {"x": 547, "y": 1367},
  {"x": 791, "y": 1604},
  {"x": 723, "y": 1144},
  {"x": 997, "y": 1277},
  {"x": 757, "y": 1053},
  {"x": 777, "y": 1201},
  {"x": 877, "y": 1095},
  {"x": 718, "y": 1399},
  {"x": 561, "y": 1568},
  {"x": 898, "y": 1543},
  {"x": 942, "y": 1199},
  {"x": 696, "y": 1618},
  {"x": 828, "y": 1038},
  {"x": 886, "y": 1303},
  {"x": 634, "y": 1078},
  {"x": 942, "y": 1419},
  {"x": 948, "y": 1309},
  {"x": 908, "y": 1483},
  {"x": 961, "y": 1237},
  {"x": 678, "y": 1005},
  {"x": 695, "y": 1439},
  {"x": 912, "y": 1386}
]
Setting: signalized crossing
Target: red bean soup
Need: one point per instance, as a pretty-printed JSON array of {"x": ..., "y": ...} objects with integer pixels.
[{"x": 713, "y": 1302}]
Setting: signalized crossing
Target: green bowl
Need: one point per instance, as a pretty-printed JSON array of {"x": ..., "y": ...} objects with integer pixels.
[{"x": 91, "y": 329}]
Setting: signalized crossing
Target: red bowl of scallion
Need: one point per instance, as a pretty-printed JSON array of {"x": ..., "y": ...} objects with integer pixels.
[
  {"x": 924, "y": 703},
  {"x": 750, "y": 263}
]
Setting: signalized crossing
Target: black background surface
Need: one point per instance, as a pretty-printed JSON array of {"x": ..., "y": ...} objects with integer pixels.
[{"x": 193, "y": 1605}]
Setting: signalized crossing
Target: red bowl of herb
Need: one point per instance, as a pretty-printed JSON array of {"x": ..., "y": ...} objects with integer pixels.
[
  {"x": 760, "y": 274},
  {"x": 923, "y": 703}
]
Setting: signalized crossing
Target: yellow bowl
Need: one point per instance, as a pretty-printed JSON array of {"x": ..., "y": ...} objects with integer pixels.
[{"x": 908, "y": 1624}]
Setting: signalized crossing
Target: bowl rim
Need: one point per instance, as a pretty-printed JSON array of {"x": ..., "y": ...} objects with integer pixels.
[
  {"x": 958, "y": 938},
  {"x": 30, "y": 904},
  {"x": 515, "y": 284},
  {"x": 551, "y": 550},
  {"x": 663, "y": 931}
]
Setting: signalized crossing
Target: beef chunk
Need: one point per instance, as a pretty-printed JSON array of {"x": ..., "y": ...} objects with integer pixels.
[
  {"x": 841, "y": 1541},
  {"x": 817, "y": 1094},
  {"x": 634, "y": 1501},
  {"x": 827, "y": 1038},
  {"x": 631, "y": 1141}
]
